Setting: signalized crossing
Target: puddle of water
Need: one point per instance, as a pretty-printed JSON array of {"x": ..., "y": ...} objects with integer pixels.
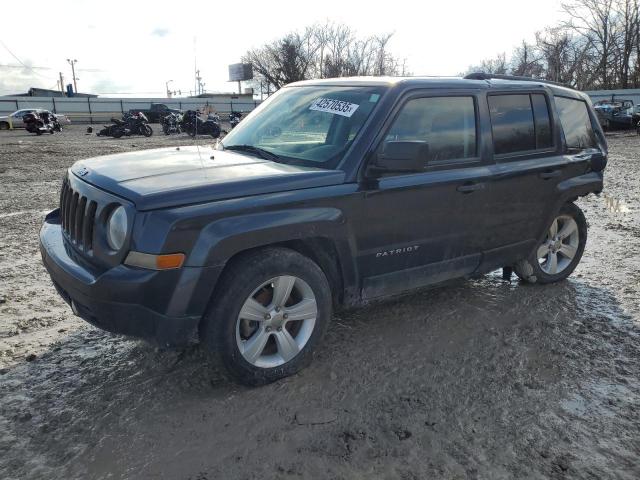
[
  {"x": 596, "y": 402},
  {"x": 615, "y": 205}
]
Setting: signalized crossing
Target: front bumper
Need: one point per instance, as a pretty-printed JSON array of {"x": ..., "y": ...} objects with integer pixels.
[{"x": 164, "y": 307}]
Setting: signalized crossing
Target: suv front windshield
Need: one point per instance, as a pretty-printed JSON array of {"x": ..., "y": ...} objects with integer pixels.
[{"x": 311, "y": 126}]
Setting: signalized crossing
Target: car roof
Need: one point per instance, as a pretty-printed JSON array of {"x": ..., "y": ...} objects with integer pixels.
[{"x": 440, "y": 82}]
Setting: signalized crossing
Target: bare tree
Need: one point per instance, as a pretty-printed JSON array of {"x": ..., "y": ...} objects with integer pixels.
[
  {"x": 323, "y": 51},
  {"x": 595, "y": 20},
  {"x": 497, "y": 65},
  {"x": 526, "y": 61},
  {"x": 627, "y": 40},
  {"x": 286, "y": 60},
  {"x": 596, "y": 46}
]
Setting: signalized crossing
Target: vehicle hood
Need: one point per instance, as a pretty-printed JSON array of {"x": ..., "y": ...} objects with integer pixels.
[{"x": 169, "y": 177}]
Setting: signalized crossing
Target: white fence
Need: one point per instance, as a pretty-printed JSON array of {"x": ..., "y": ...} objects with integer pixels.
[
  {"x": 96, "y": 110},
  {"x": 627, "y": 94}
]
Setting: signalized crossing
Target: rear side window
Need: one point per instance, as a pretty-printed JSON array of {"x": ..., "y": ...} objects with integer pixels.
[
  {"x": 520, "y": 123},
  {"x": 576, "y": 123},
  {"x": 447, "y": 124}
]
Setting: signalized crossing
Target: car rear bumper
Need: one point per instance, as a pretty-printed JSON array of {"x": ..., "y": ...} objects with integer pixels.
[{"x": 164, "y": 307}]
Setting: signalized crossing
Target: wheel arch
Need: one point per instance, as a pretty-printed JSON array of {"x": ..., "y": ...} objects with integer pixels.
[
  {"x": 321, "y": 250},
  {"x": 569, "y": 191},
  {"x": 320, "y": 234}
]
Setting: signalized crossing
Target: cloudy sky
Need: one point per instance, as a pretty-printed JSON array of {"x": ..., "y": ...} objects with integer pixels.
[{"x": 135, "y": 47}]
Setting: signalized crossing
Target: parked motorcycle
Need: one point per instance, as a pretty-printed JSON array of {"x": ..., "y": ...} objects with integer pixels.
[
  {"x": 194, "y": 125},
  {"x": 40, "y": 122},
  {"x": 234, "y": 119},
  {"x": 131, "y": 124},
  {"x": 172, "y": 123},
  {"x": 108, "y": 130}
]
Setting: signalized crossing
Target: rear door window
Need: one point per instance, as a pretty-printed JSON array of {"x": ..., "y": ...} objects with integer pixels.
[
  {"x": 542, "y": 121},
  {"x": 512, "y": 123},
  {"x": 520, "y": 123},
  {"x": 576, "y": 123}
]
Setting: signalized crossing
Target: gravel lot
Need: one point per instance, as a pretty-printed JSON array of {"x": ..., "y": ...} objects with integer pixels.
[{"x": 480, "y": 379}]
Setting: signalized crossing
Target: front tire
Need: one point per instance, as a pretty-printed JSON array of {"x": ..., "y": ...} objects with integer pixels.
[
  {"x": 270, "y": 311},
  {"x": 559, "y": 253}
]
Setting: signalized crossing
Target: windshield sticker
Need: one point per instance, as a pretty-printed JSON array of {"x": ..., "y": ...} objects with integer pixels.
[{"x": 337, "y": 107}]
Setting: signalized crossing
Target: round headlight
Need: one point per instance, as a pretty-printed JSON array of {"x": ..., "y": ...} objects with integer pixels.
[{"x": 117, "y": 228}]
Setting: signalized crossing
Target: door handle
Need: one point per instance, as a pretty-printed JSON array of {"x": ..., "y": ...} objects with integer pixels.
[
  {"x": 550, "y": 174},
  {"x": 470, "y": 187}
]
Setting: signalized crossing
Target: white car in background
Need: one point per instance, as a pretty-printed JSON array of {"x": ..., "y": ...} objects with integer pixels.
[{"x": 15, "y": 118}]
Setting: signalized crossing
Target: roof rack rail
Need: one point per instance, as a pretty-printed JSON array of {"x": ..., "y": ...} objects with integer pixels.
[{"x": 497, "y": 76}]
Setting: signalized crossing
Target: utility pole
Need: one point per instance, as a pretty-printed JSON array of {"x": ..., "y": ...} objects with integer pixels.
[
  {"x": 73, "y": 72},
  {"x": 61, "y": 84},
  {"x": 199, "y": 85}
]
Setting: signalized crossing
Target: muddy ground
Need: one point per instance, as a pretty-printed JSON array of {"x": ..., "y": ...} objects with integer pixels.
[{"x": 481, "y": 379}]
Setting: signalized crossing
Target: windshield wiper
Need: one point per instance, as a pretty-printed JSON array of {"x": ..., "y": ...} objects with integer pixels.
[{"x": 261, "y": 152}]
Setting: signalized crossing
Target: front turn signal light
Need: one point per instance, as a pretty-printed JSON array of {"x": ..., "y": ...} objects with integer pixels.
[{"x": 167, "y": 261}]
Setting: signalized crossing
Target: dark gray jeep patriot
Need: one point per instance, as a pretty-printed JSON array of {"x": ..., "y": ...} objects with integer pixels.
[{"x": 331, "y": 193}]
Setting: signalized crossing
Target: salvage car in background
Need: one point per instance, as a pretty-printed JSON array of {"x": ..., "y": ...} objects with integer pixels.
[
  {"x": 156, "y": 112},
  {"x": 617, "y": 114},
  {"x": 15, "y": 119}
]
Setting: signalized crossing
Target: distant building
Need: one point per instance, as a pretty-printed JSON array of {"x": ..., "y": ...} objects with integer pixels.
[{"x": 45, "y": 92}]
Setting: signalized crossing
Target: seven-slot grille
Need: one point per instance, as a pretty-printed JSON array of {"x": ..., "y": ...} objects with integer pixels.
[{"x": 77, "y": 214}]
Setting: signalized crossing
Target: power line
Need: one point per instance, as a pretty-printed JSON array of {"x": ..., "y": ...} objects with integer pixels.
[
  {"x": 20, "y": 61},
  {"x": 33, "y": 67},
  {"x": 2, "y": 65}
]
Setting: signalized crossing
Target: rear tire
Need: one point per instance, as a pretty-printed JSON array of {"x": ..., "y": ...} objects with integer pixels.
[
  {"x": 4, "y": 126},
  {"x": 559, "y": 253},
  {"x": 252, "y": 331}
]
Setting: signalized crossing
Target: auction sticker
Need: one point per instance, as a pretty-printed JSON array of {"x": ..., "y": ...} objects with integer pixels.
[{"x": 337, "y": 107}]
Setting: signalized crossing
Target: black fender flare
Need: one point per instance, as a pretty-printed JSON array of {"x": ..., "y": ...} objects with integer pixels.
[
  {"x": 224, "y": 238},
  {"x": 571, "y": 189}
]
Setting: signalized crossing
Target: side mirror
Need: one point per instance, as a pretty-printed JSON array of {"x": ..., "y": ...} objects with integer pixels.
[{"x": 401, "y": 157}]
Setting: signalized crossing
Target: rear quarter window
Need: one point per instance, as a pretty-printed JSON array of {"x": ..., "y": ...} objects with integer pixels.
[{"x": 576, "y": 123}]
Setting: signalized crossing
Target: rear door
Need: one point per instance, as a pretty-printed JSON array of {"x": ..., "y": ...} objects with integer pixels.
[
  {"x": 16, "y": 118},
  {"x": 529, "y": 164}
]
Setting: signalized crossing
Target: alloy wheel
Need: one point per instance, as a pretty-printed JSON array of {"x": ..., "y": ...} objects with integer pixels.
[
  {"x": 276, "y": 321},
  {"x": 560, "y": 247}
]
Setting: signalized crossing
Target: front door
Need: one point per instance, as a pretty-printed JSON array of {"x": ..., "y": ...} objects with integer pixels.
[{"x": 420, "y": 228}]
